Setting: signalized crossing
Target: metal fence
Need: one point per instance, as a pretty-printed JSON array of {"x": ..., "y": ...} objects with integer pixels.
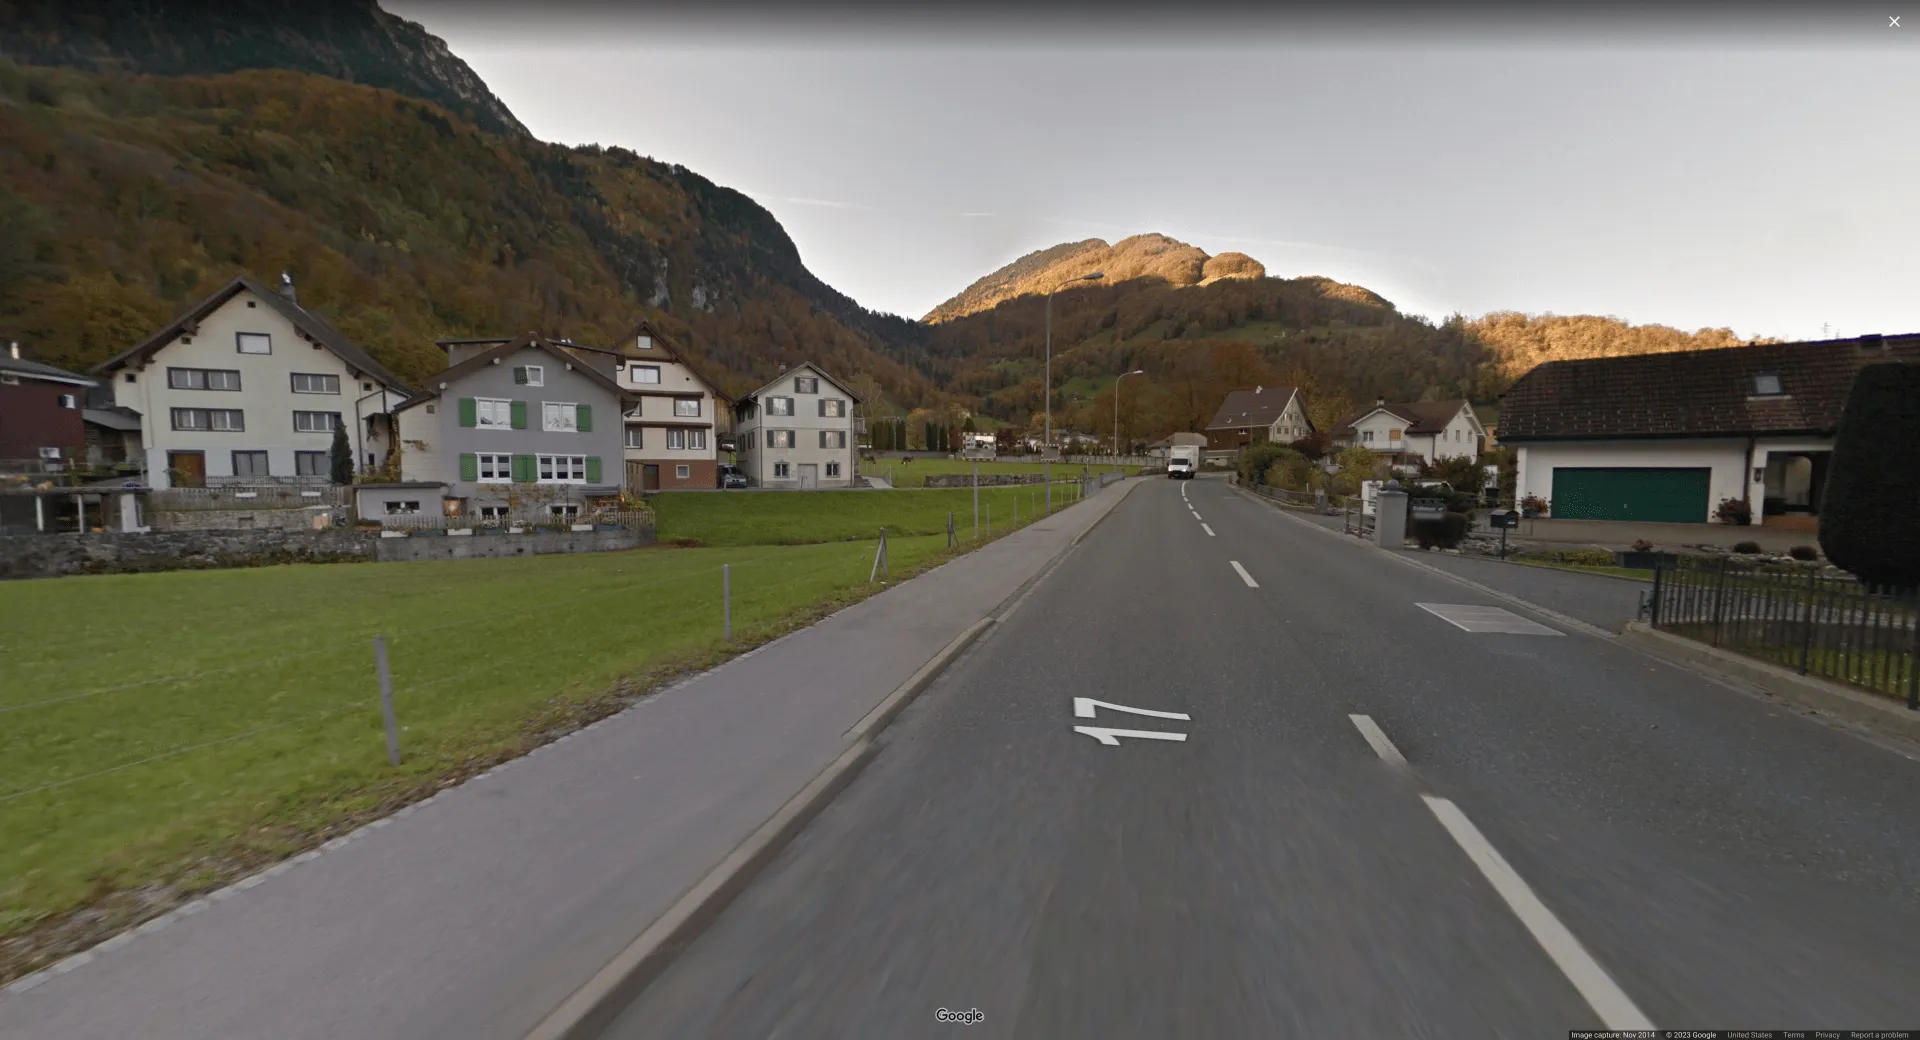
[{"x": 1803, "y": 617}]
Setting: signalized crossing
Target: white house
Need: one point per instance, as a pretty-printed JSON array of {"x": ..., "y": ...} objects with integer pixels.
[
  {"x": 246, "y": 388},
  {"x": 1410, "y": 431},
  {"x": 1668, "y": 437},
  {"x": 798, "y": 431}
]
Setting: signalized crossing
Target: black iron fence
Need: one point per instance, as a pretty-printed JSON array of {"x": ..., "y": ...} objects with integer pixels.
[{"x": 1803, "y": 617}]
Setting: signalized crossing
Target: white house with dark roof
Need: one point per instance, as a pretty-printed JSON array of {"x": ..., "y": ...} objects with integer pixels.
[
  {"x": 246, "y": 387},
  {"x": 1264, "y": 414},
  {"x": 1415, "y": 431},
  {"x": 798, "y": 431}
]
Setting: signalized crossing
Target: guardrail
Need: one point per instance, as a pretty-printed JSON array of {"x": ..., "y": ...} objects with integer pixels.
[{"x": 1800, "y": 616}]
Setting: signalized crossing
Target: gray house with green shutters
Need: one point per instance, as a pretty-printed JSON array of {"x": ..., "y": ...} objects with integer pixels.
[{"x": 513, "y": 429}]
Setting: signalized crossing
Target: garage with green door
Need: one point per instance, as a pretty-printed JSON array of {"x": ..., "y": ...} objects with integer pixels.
[{"x": 1620, "y": 493}]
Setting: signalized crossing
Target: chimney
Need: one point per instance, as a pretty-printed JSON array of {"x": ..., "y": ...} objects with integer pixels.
[
  {"x": 783, "y": 368},
  {"x": 286, "y": 289},
  {"x": 14, "y": 350},
  {"x": 1871, "y": 343},
  {"x": 1379, "y": 402}
]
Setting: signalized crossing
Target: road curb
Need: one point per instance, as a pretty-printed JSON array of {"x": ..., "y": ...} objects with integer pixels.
[
  {"x": 1822, "y": 695},
  {"x": 1547, "y": 612},
  {"x": 591, "y": 1008}
]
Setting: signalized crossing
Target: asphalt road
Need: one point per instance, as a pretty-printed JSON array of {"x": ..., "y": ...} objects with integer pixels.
[{"x": 1579, "y": 836}]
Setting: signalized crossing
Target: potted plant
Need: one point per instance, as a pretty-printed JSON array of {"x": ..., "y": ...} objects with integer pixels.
[
  {"x": 1734, "y": 511},
  {"x": 1533, "y": 506}
]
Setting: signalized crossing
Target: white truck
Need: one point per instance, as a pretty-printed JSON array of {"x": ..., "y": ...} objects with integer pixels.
[{"x": 1183, "y": 461}]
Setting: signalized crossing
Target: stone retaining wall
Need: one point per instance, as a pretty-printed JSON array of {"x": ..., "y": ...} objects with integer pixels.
[{"x": 961, "y": 480}]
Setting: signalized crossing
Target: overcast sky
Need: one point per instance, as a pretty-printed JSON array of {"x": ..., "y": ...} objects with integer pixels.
[{"x": 1703, "y": 169}]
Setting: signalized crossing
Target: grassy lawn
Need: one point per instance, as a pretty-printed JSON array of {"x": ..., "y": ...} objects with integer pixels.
[
  {"x": 914, "y": 474},
  {"x": 169, "y": 733},
  {"x": 780, "y": 517}
]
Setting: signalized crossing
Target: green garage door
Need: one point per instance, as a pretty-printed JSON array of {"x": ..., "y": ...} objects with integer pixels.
[{"x": 1662, "y": 495}]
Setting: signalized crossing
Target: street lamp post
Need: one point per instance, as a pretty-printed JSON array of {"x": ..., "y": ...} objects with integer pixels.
[
  {"x": 1046, "y": 447},
  {"x": 1116, "y": 412}
]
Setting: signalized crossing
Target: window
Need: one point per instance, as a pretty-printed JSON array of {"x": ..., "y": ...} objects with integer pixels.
[
  {"x": 311, "y": 464},
  {"x": 1766, "y": 384},
  {"x": 779, "y": 406},
  {"x": 567, "y": 512},
  {"x": 833, "y": 408},
  {"x": 249, "y": 463},
  {"x": 1366, "y": 435},
  {"x": 403, "y": 508},
  {"x": 203, "y": 379},
  {"x": 563, "y": 469},
  {"x": 779, "y": 469},
  {"x": 697, "y": 440},
  {"x": 495, "y": 469},
  {"x": 833, "y": 438},
  {"x": 254, "y": 342},
  {"x": 646, "y": 342},
  {"x": 530, "y": 375},
  {"x": 833, "y": 469},
  {"x": 315, "y": 422},
  {"x": 643, "y": 374},
  {"x": 806, "y": 385},
  {"x": 779, "y": 438},
  {"x": 130, "y": 377},
  {"x": 313, "y": 383},
  {"x": 1394, "y": 435},
  {"x": 224, "y": 420},
  {"x": 682, "y": 472},
  {"x": 635, "y": 438},
  {"x": 686, "y": 407},
  {"x": 560, "y": 417},
  {"x": 492, "y": 414},
  {"x": 493, "y": 512},
  {"x": 676, "y": 440},
  {"x": 69, "y": 401}
]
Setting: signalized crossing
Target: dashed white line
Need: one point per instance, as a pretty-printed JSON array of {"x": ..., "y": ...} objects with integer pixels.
[
  {"x": 1196, "y": 513},
  {"x": 1207, "y": 529},
  {"x": 1608, "y": 1000},
  {"x": 1377, "y": 739},
  {"x": 1244, "y": 576}
]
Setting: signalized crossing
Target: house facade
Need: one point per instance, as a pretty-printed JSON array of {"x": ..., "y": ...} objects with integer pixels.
[
  {"x": 522, "y": 429},
  {"x": 1668, "y": 437},
  {"x": 798, "y": 431},
  {"x": 674, "y": 429},
  {"x": 42, "y": 428},
  {"x": 247, "y": 387},
  {"x": 1415, "y": 431},
  {"x": 1161, "y": 448},
  {"x": 1276, "y": 414}
]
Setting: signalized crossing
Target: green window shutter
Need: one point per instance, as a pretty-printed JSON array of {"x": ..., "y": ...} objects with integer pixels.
[
  {"x": 524, "y": 469},
  {"x": 520, "y": 375},
  {"x": 586, "y": 418},
  {"x": 593, "y": 469},
  {"x": 519, "y": 410},
  {"x": 469, "y": 412},
  {"x": 469, "y": 466}
]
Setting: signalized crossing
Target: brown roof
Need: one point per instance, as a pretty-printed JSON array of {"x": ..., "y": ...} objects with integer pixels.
[
  {"x": 315, "y": 327},
  {"x": 1259, "y": 406},
  {"x": 451, "y": 376},
  {"x": 1422, "y": 417},
  {"x": 1696, "y": 393}
]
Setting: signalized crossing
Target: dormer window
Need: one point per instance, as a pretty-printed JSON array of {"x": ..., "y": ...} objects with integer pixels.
[
  {"x": 645, "y": 342},
  {"x": 1766, "y": 384}
]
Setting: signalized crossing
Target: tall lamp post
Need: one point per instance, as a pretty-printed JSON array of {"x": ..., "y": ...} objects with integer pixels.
[
  {"x": 1046, "y": 448},
  {"x": 1116, "y": 412}
]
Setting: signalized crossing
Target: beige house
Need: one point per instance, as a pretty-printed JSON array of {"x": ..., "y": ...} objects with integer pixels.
[
  {"x": 1414, "y": 431},
  {"x": 1264, "y": 414},
  {"x": 798, "y": 431},
  {"x": 247, "y": 387}
]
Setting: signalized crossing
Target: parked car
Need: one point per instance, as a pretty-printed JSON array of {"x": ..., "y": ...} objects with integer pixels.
[{"x": 731, "y": 477}]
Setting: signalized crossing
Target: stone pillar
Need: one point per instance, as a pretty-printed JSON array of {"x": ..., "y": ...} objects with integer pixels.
[{"x": 1390, "y": 516}]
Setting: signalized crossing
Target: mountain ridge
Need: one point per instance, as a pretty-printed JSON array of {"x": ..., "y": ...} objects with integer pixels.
[{"x": 1151, "y": 255}]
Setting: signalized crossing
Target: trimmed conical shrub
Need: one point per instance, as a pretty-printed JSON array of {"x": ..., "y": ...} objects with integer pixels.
[{"x": 1870, "y": 516}]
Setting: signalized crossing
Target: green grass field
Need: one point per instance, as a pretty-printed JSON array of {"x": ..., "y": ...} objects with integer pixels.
[
  {"x": 914, "y": 474},
  {"x": 184, "y": 728}
]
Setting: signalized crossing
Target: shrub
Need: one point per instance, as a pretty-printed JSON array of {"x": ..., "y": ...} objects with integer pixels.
[
  {"x": 1804, "y": 552},
  {"x": 1255, "y": 460},
  {"x": 1734, "y": 511},
  {"x": 1642, "y": 545},
  {"x": 1868, "y": 525},
  {"x": 1746, "y": 548},
  {"x": 1535, "y": 503},
  {"x": 1584, "y": 557},
  {"x": 1465, "y": 474},
  {"x": 1447, "y": 533}
]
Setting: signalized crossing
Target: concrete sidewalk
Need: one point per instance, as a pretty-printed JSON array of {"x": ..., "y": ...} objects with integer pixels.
[{"x": 474, "y": 914}]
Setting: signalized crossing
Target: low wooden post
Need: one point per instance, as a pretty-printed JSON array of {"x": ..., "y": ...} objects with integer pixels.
[
  {"x": 386, "y": 699},
  {"x": 726, "y": 598}
]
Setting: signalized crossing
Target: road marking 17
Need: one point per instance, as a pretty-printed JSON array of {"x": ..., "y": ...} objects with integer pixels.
[
  {"x": 1083, "y": 707},
  {"x": 1110, "y": 737}
]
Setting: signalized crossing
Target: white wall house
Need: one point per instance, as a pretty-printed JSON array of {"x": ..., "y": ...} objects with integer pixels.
[
  {"x": 246, "y": 388},
  {"x": 1276, "y": 414},
  {"x": 1668, "y": 437},
  {"x": 1429, "y": 431},
  {"x": 798, "y": 431}
]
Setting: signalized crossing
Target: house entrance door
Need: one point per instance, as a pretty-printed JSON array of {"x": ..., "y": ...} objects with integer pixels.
[
  {"x": 809, "y": 475},
  {"x": 189, "y": 468},
  {"x": 650, "y": 477}
]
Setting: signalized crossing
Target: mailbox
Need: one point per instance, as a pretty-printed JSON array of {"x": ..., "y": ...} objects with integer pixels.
[{"x": 1504, "y": 518}]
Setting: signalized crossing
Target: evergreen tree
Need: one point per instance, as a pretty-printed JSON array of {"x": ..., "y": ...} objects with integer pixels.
[
  {"x": 341, "y": 456},
  {"x": 1868, "y": 521}
]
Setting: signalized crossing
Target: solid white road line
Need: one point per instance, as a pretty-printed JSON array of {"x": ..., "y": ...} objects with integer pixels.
[
  {"x": 1244, "y": 576},
  {"x": 1608, "y": 1000},
  {"x": 1207, "y": 529},
  {"x": 1377, "y": 739}
]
